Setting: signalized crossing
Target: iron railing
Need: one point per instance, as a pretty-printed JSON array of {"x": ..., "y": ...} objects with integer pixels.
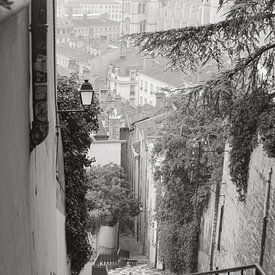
[
  {"x": 241, "y": 270},
  {"x": 99, "y": 270}
]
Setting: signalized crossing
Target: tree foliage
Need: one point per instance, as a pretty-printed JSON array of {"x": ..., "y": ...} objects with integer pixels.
[
  {"x": 242, "y": 46},
  {"x": 76, "y": 142},
  {"x": 187, "y": 175},
  {"x": 109, "y": 197}
]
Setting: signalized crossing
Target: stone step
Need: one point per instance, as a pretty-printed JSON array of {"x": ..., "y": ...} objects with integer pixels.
[{"x": 141, "y": 269}]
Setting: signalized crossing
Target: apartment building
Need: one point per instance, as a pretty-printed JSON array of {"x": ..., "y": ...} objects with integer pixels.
[{"x": 154, "y": 15}]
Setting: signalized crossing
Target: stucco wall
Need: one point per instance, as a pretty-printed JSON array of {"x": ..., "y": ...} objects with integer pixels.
[
  {"x": 28, "y": 202},
  {"x": 43, "y": 179},
  {"x": 15, "y": 227},
  {"x": 105, "y": 152},
  {"x": 106, "y": 239}
]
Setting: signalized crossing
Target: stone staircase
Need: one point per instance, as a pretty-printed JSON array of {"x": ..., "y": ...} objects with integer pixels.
[{"x": 140, "y": 269}]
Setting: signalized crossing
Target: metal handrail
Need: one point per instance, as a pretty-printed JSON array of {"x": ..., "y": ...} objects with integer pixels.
[{"x": 256, "y": 267}]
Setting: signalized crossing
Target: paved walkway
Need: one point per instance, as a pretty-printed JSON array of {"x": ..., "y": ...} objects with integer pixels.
[{"x": 129, "y": 243}]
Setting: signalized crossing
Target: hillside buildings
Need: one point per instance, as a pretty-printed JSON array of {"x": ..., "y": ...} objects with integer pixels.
[
  {"x": 96, "y": 28},
  {"x": 74, "y": 8},
  {"x": 122, "y": 75},
  {"x": 156, "y": 15}
]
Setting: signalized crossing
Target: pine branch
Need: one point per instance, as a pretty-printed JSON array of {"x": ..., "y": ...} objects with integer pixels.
[{"x": 191, "y": 47}]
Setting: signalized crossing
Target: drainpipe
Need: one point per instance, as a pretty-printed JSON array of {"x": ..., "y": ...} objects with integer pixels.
[
  {"x": 216, "y": 210},
  {"x": 157, "y": 240},
  {"x": 265, "y": 218}
]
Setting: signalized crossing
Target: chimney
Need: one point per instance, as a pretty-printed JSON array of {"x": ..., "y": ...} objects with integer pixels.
[
  {"x": 103, "y": 95},
  {"x": 160, "y": 99},
  {"x": 118, "y": 103},
  {"x": 114, "y": 127}
]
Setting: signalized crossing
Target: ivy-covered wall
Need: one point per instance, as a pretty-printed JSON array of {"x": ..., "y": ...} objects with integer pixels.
[{"x": 238, "y": 235}]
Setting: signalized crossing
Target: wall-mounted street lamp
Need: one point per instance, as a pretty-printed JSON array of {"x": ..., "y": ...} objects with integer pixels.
[{"x": 86, "y": 92}]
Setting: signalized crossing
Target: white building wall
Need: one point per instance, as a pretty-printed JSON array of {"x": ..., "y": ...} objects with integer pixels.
[
  {"x": 105, "y": 152},
  {"x": 28, "y": 210},
  {"x": 15, "y": 190},
  {"x": 106, "y": 239},
  {"x": 144, "y": 95}
]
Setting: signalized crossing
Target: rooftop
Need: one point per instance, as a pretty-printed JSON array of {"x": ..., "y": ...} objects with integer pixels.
[
  {"x": 141, "y": 113},
  {"x": 158, "y": 70},
  {"x": 90, "y": 22},
  {"x": 152, "y": 126},
  {"x": 75, "y": 53},
  {"x": 64, "y": 23},
  {"x": 130, "y": 61}
]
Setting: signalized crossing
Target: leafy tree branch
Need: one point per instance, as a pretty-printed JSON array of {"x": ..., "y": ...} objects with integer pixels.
[{"x": 76, "y": 142}]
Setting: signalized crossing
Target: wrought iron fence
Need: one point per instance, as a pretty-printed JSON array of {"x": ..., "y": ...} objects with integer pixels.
[{"x": 241, "y": 270}]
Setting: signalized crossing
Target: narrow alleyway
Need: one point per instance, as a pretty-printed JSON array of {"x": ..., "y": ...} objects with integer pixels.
[{"x": 128, "y": 242}]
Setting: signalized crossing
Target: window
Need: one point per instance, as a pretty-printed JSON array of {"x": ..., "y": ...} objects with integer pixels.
[
  {"x": 141, "y": 84},
  {"x": 140, "y": 100},
  {"x": 132, "y": 89},
  {"x": 145, "y": 86},
  {"x": 145, "y": 100}
]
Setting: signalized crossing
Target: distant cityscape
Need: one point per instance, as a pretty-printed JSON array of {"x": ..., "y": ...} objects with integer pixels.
[{"x": 88, "y": 43}]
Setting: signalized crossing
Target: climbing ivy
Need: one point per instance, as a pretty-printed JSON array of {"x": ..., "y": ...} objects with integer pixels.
[
  {"x": 76, "y": 142},
  {"x": 248, "y": 115},
  {"x": 267, "y": 131},
  {"x": 241, "y": 48},
  {"x": 182, "y": 183}
]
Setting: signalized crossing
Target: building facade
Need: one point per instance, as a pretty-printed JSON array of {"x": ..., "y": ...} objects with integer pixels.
[
  {"x": 122, "y": 76},
  {"x": 110, "y": 7},
  {"x": 31, "y": 195},
  {"x": 155, "y": 15}
]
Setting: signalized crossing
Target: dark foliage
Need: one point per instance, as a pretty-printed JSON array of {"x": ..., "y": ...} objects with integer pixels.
[
  {"x": 76, "y": 142},
  {"x": 184, "y": 179},
  {"x": 110, "y": 199},
  {"x": 242, "y": 45}
]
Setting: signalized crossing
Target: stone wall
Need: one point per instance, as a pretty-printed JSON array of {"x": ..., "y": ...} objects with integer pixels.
[{"x": 239, "y": 232}]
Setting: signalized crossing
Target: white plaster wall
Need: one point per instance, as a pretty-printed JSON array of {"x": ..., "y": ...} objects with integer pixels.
[
  {"x": 63, "y": 264},
  {"x": 123, "y": 89},
  {"x": 43, "y": 179},
  {"x": 105, "y": 152},
  {"x": 28, "y": 213},
  {"x": 150, "y": 97},
  {"x": 15, "y": 226},
  {"x": 106, "y": 238}
]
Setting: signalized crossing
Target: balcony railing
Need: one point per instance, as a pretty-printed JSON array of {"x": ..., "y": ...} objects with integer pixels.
[{"x": 241, "y": 270}]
